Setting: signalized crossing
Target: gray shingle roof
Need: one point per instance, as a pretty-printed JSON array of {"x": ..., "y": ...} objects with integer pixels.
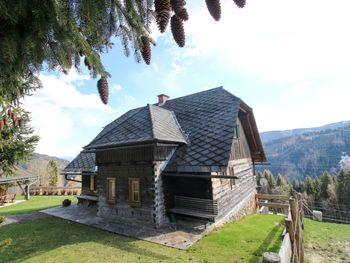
[
  {"x": 84, "y": 162},
  {"x": 208, "y": 118},
  {"x": 149, "y": 123},
  {"x": 202, "y": 124}
]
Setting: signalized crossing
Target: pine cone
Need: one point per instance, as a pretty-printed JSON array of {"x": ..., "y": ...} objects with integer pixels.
[
  {"x": 102, "y": 87},
  {"x": 182, "y": 13},
  {"x": 214, "y": 8},
  {"x": 240, "y": 3},
  {"x": 13, "y": 116},
  {"x": 161, "y": 5},
  {"x": 146, "y": 49},
  {"x": 177, "y": 28},
  {"x": 21, "y": 122},
  {"x": 162, "y": 19}
]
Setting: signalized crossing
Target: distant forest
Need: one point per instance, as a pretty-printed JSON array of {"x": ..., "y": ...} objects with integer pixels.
[
  {"x": 308, "y": 154},
  {"x": 327, "y": 193}
]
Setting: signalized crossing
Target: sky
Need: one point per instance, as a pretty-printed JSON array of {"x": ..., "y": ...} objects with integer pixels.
[{"x": 288, "y": 60}]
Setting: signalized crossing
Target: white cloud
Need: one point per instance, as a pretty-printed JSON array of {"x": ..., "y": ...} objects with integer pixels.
[
  {"x": 276, "y": 40},
  {"x": 300, "y": 46},
  {"x": 65, "y": 118},
  {"x": 116, "y": 88}
]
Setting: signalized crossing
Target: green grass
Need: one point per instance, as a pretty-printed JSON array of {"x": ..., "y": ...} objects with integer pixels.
[
  {"x": 36, "y": 203},
  {"x": 56, "y": 240},
  {"x": 326, "y": 242}
]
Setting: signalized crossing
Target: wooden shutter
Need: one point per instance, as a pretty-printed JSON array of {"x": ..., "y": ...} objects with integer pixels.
[{"x": 111, "y": 190}]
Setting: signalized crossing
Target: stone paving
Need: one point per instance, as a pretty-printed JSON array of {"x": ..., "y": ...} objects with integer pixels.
[{"x": 181, "y": 235}]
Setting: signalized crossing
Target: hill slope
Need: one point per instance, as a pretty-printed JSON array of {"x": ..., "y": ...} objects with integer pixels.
[
  {"x": 38, "y": 166},
  {"x": 307, "y": 154},
  {"x": 274, "y": 135}
]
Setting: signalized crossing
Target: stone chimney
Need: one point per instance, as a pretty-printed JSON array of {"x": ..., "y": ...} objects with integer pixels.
[{"x": 162, "y": 98}]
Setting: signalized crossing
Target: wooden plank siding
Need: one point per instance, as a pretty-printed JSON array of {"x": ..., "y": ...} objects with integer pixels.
[{"x": 230, "y": 193}]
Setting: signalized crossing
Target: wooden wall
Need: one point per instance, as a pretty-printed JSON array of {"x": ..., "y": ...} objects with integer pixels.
[
  {"x": 229, "y": 192},
  {"x": 144, "y": 163},
  {"x": 240, "y": 147}
]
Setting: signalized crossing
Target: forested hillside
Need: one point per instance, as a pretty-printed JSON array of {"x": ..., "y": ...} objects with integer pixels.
[
  {"x": 274, "y": 135},
  {"x": 38, "y": 165},
  {"x": 308, "y": 154}
]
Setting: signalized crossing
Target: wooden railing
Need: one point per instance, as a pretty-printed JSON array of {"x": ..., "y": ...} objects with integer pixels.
[{"x": 292, "y": 245}]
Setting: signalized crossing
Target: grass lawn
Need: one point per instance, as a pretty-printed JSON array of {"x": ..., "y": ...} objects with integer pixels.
[
  {"x": 36, "y": 203},
  {"x": 56, "y": 240},
  {"x": 326, "y": 242}
]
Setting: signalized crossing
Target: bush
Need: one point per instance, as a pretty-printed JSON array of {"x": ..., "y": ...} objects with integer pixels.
[
  {"x": 66, "y": 202},
  {"x": 2, "y": 219}
]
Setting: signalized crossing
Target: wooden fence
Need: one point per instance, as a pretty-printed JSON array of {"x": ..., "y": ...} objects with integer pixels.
[{"x": 292, "y": 245}]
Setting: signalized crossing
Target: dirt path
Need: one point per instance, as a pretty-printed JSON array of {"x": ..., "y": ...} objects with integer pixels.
[
  {"x": 338, "y": 252},
  {"x": 14, "y": 219}
]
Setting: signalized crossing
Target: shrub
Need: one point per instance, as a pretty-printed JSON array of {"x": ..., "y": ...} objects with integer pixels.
[
  {"x": 2, "y": 219},
  {"x": 66, "y": 202},
  {"x": 75, "y": 192}
]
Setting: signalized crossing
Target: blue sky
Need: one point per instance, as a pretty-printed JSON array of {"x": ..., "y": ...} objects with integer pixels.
[{"x": 288, "y": 60}]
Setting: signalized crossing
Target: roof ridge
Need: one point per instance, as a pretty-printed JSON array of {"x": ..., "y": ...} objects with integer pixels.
[
  {"x": 203, "y": 91},
  {"x": 136, "y": 111},
  {"x": 179, "y": 127}
]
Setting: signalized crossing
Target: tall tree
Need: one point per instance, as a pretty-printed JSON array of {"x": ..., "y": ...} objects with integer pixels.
[
  {"x": 52, "y": 171},
  {"x": 17, "y": 141},
  {"x": 59, "y": 34},
  {"x": 326, "y": 180}
]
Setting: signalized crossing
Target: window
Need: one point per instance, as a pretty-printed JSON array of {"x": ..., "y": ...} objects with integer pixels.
[
  {"x": 92, "y": 183},
  {"x": 134, "y": 191},
  {"x": 111, "y": 190},
  {"x": 236, "y": 132}
]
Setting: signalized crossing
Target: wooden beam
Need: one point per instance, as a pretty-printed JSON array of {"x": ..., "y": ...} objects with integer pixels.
[
  {"x": 274, "y": 205},
  {"x": 272, "y": 197},
  {"x": 200, "y": 176}
]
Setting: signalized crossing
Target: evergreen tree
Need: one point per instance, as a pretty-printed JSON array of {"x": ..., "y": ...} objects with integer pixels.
[
  {"x": 52, "y": 171},
  {"x": 343, "y": 187},
  {"x": 317, "y": 188},
  {"x": 59, "y": 34},
  {"x": 17, "y": 141},
  {"x": 270, "y": 179},
  {"x": 309, "y": 187},
  {"x": 326, "y": 180}
]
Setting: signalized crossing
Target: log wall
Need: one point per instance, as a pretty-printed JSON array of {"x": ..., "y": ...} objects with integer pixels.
[{"x": 144, "y": 163}]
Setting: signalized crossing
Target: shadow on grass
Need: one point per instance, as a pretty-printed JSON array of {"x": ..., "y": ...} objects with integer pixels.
[
  {"x": 26, "y": 240},
  {"x": 269, "y": 244}
]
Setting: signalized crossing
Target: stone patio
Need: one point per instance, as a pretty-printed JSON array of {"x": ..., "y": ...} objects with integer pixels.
[{"x": 182, "y": 234}]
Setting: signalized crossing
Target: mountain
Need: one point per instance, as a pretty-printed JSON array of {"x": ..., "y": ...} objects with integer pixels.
[
  {"x": 38, "y": 166},
  {"x": 309, "y": 153},
  {"x": 274, "y": 135}
]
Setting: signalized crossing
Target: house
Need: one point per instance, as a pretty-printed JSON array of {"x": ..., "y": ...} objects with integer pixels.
[{"x": 190, "y": 156}]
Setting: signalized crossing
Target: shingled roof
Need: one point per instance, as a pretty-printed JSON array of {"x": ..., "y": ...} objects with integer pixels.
[
  {"x": 202, "y": 124},
  {"x": 83, "y": 163},
  {"x": 146, "y": 124}
]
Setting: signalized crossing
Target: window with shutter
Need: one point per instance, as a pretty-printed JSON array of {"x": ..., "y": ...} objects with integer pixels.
[
  {"x": 111, "y": 190},
  {"x": 134, "y": 192}
]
